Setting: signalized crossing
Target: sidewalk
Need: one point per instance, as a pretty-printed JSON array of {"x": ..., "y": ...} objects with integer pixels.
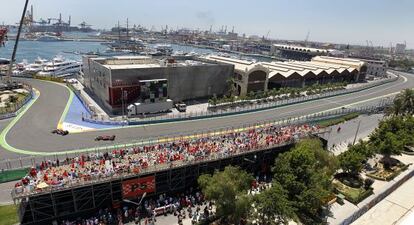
[
  {"x": 341, "y": 212},
  {"x": 394, "y": 209}
]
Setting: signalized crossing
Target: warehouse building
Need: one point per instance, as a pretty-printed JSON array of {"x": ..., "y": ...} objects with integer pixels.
[
  {"x": 295, "y": 52},
  {"x": 107, "y": 79},
  {"x": 251, "y": 77}
]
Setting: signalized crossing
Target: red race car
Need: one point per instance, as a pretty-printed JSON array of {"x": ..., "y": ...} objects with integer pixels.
[
  {"x": 105, "y": 138},
  {"x": 60, "y": 132}
]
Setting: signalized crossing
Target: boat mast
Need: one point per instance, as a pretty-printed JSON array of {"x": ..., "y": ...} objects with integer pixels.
[{"x": 13, "y": 58}]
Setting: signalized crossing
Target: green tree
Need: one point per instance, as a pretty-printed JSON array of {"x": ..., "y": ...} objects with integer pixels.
[
  {"x": 272, "y": 206},
  {"x": 231, "y": 87},
  {"x": 396, "y": 108},
  {"x": 407, "y": 98},
  {"x": 363, "y": 148},
  {"x": 403, "y": 103},
  {"x": 351, "y": 162},
  {"x": 391, "y": 136},
  {"x": 228, "y": 189},
  {"x": 306, "y": 177}
]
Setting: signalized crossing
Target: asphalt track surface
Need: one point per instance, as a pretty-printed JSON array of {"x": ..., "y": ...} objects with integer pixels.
[{"x": 32, "y": 132}]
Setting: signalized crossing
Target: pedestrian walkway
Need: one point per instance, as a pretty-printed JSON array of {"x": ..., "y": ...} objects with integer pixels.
[
  {"x": 341, "y": 212},
  {"x": 394, "y": 209}
]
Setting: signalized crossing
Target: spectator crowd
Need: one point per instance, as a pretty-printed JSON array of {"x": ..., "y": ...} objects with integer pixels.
[
  {"x": 189, "y": 205},
  {"x": 55, "y": 174}
]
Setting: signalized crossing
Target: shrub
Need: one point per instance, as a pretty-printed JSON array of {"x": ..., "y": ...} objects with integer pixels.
[{"x": 368, "y": 183}]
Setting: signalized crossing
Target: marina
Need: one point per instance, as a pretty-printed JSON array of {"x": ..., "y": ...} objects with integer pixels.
[{"x": 139, "y": 112}]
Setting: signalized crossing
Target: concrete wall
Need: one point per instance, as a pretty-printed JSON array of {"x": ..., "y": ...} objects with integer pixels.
[
  {"x": 97, "y": 79},
  {"x": 184, "y": 82}
]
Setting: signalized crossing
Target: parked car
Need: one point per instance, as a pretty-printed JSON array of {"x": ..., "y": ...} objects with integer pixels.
[
  {"x": 105, "y": 138},
  {"x": 181, "y": 107},
  {"x": 60, "y": 132}
]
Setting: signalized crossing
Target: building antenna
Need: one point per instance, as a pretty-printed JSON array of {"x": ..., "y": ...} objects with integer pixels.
[{"x": 13, "y": 58}]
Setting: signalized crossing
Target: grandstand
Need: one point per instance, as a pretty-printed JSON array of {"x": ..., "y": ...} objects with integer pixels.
[{"x": 78, "y": 186}]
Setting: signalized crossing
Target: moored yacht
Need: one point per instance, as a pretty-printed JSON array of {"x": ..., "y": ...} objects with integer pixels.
[{"x": 60, "y": 68}]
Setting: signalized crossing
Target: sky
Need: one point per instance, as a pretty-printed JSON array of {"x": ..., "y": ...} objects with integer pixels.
[{"x": 336, "y": 21}]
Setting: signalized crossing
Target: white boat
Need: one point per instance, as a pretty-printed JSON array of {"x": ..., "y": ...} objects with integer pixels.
[
  {"x": 192, "y": 54},
  {"x": 36, "y": 66},
  {"x": 60, "y": 68},
  {"x": 164, "y": 49},
  {"x": 48, "y": 38}
]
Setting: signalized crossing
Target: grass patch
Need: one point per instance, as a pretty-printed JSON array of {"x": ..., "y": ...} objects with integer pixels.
[
  {"x": 55, "y": 79},
  {"x": 354, "y": 195},
  {"x": 387, "y": 175},
  {"x": 11, "y": 175},
  {"x": 335, "y": 121},
  {"x": 8, "y": 215}
]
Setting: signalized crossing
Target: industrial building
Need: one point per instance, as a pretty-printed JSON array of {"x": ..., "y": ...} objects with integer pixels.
[
  {"x": 251, "y": 77},
  {"x": 376, "y": 68},
  {"x": 299, "y": 53},
  {"x": 107, "y": 79}
]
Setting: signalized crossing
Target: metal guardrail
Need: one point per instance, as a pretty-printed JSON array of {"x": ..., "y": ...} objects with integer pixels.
[
  {"x": 238, "y": 110},
  {"x": 24, "y": 162},
  {"x": 149, "y": 170},
  {"x": 16, "y": 109}
]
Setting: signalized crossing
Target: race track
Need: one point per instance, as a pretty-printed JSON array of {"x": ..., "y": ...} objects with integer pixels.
[{"x": 32, "y": 131}]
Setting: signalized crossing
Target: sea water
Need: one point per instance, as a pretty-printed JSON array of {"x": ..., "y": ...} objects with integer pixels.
[{"x": 31, "y": 50}]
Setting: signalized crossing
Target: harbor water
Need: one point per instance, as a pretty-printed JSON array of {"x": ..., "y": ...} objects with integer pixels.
[
  {"x": 73, "y": 50},
  {"x": 31, "y": 50}
]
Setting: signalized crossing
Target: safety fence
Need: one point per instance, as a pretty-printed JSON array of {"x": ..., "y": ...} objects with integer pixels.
[
  {"x": 151, "y": 169},
  {"x": 362, "y": 210},
  {"x": 256, "y": 105},
  {"x": 22, "y": 162}
]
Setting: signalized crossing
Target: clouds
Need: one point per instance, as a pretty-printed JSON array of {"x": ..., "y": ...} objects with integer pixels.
[{"x": 206, "y": 17}]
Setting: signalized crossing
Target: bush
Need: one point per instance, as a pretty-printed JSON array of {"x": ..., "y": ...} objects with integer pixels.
[{"x": 368, "y": 183}]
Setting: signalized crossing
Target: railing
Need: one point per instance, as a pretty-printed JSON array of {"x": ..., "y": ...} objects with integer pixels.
[
  {"x": 24, "y": 162},
  {"x": 151, "y": 169},
  {"x": 14, "y": 111},
  {"x": 238, "y": 110},
  {"x": 218, "y": 156}
]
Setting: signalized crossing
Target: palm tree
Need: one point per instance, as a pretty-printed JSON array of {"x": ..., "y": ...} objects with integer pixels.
[
  {"x": 403, "y": 103},
  {"x": 232, "y": 88},
  {"x": 396, "y": 108},
  {"x": 407, "y": 97}
]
